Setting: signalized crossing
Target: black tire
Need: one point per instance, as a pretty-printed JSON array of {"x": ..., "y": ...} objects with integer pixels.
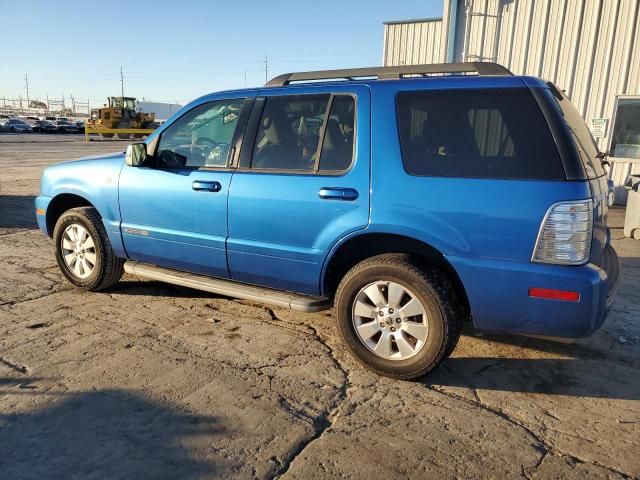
[
  {"x": 124, "y": 136},
  {"x": 429, "y": 286},
  {"x": 108, "y": 268}
]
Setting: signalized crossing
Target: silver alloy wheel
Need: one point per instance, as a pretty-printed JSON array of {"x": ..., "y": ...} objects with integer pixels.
[
  {"x": 78, "y": 250},
  {"x": 390, "y": 320}
]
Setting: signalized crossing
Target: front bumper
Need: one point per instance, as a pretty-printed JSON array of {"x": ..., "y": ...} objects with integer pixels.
[{"x": 498, "y": 293}]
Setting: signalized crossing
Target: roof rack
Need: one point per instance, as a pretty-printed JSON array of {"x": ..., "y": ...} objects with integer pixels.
[{"x": 390, "y": 73}]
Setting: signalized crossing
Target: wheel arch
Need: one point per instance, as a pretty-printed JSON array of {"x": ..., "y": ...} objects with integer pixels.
[
  {"x": 60, "y": 204},
  {"x": 360, "y": 247}
]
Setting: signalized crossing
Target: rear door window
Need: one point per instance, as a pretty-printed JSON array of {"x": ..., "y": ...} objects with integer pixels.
[
  {"x": 305, "y": 133},
  {"x": 489, "y": 133}
]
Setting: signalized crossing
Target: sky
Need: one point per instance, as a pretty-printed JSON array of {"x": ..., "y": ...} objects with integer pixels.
[{"x": 175, "y": 51}]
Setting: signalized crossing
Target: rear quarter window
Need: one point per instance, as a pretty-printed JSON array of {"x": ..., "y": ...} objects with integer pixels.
[
  {"x": 584, "y": 142},
  {"x": 488, "y": 133}
]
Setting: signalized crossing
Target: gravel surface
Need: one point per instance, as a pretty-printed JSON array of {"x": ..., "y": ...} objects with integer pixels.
[{"x": 155, "y": 381}]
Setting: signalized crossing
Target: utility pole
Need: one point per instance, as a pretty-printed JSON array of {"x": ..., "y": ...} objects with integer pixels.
[
  {"x": 73, "y": 105},
  {"x": 121, "y": 81},
  {"x": 266, "y": 69},
  {"x": 245, "y": 79},
  {"x": 26, "y": 83}
]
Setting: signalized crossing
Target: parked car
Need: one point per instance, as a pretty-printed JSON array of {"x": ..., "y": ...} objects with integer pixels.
[
  {"x": 15, "y": 125},
  {"x": 80, "y": 126},
  {"x": 418, "y": 204},
  {"x": 3, "y": 124},
  {"x": 44, "y": 126},
  {"x": 65, "y": 126}
]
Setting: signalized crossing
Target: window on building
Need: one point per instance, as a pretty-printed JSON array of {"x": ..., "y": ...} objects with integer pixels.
[
  {"x": 625, "y": 138},
  {"x": 476, "y": 134}
]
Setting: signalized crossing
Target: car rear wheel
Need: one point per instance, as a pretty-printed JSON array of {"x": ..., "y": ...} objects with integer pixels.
[
  {"x": 83, "y": 251},
  {"x": 396, "y": 318}
]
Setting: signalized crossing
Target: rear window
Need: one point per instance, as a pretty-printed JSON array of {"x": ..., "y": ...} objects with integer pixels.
[
  {"x": 581, "y": 134},
  {"x": 490, "y": 133}
]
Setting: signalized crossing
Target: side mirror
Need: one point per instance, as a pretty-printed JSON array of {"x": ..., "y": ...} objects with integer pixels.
[{"x": 135, "y": 154}]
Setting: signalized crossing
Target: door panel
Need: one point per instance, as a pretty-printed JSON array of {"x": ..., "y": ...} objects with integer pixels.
[
  {"x": 166, "y": 222},
  {"x": 282, "y": 224},
  {"x": 174, "y": 211}
]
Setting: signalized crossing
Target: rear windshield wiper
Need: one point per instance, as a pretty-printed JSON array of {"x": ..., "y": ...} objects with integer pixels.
[{"x": 603, "y": 156}]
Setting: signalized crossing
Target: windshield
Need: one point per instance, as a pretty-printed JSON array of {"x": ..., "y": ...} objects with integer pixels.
[{"x": 119, "y": 102}]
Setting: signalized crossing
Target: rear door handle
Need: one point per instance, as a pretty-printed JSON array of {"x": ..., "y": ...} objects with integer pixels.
[
  {"x": 334, "y": 193},
  {"x": 203, "y": 186}
]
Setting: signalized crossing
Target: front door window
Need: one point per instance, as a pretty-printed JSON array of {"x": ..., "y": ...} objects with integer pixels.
[{"x": 200, "y": 138}]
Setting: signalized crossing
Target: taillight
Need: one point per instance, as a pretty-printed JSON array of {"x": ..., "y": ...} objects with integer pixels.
[{"x": 565, "y": 234}]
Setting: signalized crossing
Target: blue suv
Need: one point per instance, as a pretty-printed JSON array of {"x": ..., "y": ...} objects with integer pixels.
[{"x": 411, "y": 199}]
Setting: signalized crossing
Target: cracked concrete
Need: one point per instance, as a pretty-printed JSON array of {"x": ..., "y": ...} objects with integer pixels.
[{"x": 152, "y": 380}]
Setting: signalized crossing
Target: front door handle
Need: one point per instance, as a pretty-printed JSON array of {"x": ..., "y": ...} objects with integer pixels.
[
  {"x": 333, "y": 193},
  {"x": 203, "y": 186}
]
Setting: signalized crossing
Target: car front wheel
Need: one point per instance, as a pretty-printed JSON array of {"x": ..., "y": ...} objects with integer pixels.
[
  {"x": 83, "y": 251},
  {"x": 396, "y": 318}
]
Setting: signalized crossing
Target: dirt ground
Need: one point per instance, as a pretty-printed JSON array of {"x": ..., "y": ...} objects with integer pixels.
[{"x": 154, "y": 381}]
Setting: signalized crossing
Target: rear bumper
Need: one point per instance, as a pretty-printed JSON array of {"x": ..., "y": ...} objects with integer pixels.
[{"x": 498, "y": 293}]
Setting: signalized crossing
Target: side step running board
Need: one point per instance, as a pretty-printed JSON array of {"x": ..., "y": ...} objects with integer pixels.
[{"x": 228, "y": 288}]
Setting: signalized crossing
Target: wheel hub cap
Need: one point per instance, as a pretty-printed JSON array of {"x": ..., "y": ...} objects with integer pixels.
[
  {"x": 390, "y": 320},
  {"x": 78, "y": 250}
]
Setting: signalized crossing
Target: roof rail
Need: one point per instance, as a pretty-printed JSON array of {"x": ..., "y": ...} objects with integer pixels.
[{"x": 390, "y": 73}]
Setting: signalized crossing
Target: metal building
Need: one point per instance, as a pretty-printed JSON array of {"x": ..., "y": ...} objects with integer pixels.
[{"x": 589, "y": 48}]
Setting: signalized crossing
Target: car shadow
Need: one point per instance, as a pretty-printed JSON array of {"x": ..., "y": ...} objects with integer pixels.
[
  {"x": 574, "y": 377},
  {"x": 103, "y": 434},
  {"x": 152, "y": 288},
  {"x": 18, "y": 211}
]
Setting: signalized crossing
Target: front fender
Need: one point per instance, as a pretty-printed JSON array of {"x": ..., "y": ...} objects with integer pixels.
[{"x": 94, "y": 180}]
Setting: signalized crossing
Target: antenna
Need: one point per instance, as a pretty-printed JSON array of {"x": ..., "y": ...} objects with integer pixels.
[{"x": 121, "y": 81}]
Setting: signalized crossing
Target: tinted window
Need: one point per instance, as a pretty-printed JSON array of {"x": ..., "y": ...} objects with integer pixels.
[
  {"x": 337, "y": 148},
  {"x": 492, "y": 133},
  {"x": 582, "y": 137},
  {"x": 201, "y": 137},
  {"x": 295, "y": 133},
  {"x": 289, "y": 132}
]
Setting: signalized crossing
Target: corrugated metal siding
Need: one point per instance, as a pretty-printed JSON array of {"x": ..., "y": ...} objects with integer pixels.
[
  {"x": 589, "y": 48},
  {"x": 413, "y": 43}
]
